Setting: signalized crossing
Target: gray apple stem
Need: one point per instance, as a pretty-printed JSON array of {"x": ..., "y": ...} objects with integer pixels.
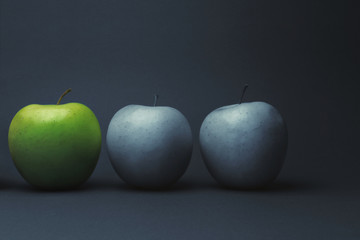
[
  {"x": 243, "y": 93},
  {"x": 156, "y": 97},
  {"x": 66, "y": 92}
]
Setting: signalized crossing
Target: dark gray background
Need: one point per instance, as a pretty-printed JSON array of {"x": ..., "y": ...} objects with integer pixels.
[{"x": 300, "y": 56}]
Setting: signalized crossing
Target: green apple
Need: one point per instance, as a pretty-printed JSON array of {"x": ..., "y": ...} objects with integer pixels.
[{"x": 55, "y": 146}]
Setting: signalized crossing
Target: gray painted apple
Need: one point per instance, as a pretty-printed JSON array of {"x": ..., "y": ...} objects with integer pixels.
[
  {"x": 244, "y": 145},
  {"x": 149, "y": 146}
]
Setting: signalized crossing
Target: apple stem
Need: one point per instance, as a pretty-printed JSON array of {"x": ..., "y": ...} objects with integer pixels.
[
  {"x": 66, "y": 92},
  {"x": 156, "y": 97},
  {"x": 243, "y": 93}
]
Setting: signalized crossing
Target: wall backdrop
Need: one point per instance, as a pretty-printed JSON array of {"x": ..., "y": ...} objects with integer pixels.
[{"x": 300, "y": 56}]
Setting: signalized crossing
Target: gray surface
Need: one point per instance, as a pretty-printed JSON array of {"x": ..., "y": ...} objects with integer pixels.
[
  {"x": 149, "y": 146},
  {"x": 194, "y": 209},
  {"x": 244, "y": 145},
  {"x": 300, "y": 56}
]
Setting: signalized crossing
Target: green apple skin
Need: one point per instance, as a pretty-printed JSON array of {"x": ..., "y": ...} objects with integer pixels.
[{"x": 55, "y": 146}]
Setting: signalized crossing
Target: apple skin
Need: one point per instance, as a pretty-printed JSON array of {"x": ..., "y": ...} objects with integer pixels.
[
  {"x": 149, "y": 147},
  {"x": 55, "y": 146},
  {"x": 244, "y": 145}
]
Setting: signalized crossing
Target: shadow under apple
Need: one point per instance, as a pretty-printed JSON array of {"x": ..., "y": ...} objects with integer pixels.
[{"x": 280, "y": 186}]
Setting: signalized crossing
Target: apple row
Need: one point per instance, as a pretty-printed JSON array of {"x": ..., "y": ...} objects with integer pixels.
[{"x": 57, "y": 146}]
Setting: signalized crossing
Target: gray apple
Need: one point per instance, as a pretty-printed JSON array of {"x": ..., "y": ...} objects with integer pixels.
[
  {"x": 244, "y": 145},
  {"x": 149, "y": 146}
]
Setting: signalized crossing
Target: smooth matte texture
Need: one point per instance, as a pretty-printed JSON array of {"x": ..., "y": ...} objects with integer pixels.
[
  {"x": 149, "y": 147},
  {"x": 193, "y": 209},
  {"x": 244, "y": 145},
  {"x": 302, "y": 57}
]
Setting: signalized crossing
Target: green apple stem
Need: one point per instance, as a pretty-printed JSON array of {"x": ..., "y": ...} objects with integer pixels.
[
  {"x": 243, "y": 93},
  {"x": 156, "y": 97},
  {"x": 66, "y": 92}
]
